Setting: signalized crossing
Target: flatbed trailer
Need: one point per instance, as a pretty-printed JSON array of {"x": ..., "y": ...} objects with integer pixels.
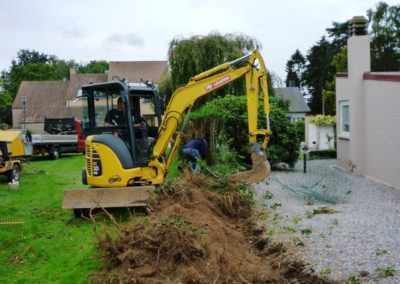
[
  {"x": 62, "y": 135},
  {"x": 55, "y": 144}
]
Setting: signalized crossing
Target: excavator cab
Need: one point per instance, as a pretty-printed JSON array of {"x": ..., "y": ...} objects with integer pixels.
[{"x": 123, "y": 116}]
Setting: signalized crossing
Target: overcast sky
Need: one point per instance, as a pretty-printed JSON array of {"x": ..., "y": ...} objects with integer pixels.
[{"x": 126, "y": 30}]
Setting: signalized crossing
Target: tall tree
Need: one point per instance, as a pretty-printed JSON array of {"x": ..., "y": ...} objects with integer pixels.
[
  {"x": 5, "y": 105},
  {"x": 339, "y": 33},
  {"x": 29, "y": 65},
  {"x": 94, "y": 66},
  {"x": 385, "y": 37},
  {"x": 295, "y": 68},
  {"x": 326, "y": 58},
  {"x": 190, "y": 56},
  {"x": 319, "y": 70}
]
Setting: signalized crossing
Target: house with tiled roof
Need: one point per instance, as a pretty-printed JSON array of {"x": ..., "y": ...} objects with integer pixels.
[
  {"x": 298, "y": 107},
  {"x": 56, "y": 99},
  {"x": 48, "y": 99}
]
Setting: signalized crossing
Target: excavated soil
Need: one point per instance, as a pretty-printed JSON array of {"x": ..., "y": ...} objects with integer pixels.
[{"x": 197, "y": 235}]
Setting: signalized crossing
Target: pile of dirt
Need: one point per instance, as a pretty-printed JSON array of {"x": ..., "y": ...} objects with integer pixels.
[{"x": 195, "y": 235}]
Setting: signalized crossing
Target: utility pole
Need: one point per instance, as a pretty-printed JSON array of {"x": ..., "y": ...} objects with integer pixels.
[{"x": 24, "y": 99}]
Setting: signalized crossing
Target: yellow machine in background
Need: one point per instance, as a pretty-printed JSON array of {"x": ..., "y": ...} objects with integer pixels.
[
  {"x": 11, "y": 149},
  {"x": 124, "y": 162}
]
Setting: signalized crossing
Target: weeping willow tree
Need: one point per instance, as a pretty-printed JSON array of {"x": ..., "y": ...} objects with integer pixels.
[{"x": 190, "y": 56}]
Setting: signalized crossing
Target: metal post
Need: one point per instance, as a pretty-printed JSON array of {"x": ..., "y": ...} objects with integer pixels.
[
  {"x": 304, "y": 150},
  {"x": 24, "y": 99},
  {"x": 24, "y": 115}
]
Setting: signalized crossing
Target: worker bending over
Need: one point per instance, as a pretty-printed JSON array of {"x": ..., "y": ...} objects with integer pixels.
[{"x": 194, "y": 151}]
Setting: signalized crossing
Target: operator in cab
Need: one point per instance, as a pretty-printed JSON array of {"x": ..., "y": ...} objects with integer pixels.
[{"x": 115, "y": 116}]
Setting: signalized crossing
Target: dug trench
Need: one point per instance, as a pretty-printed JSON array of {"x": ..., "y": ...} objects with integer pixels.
[{"x": 197, "y": 231}]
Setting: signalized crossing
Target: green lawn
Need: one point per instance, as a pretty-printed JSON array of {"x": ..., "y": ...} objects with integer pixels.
[{"x": 51, "y": 246}]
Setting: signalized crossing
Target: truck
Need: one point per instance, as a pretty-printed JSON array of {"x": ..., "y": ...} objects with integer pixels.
[
  {"x": 125, "y": 162},
  {"x": 62, "y": 135}
]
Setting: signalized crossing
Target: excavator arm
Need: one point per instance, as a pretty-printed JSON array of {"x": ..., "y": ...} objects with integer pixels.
[{"x": 251, "y": 67}]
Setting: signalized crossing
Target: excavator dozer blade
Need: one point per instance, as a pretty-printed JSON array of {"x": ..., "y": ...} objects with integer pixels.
[
  {"x": 261, "y": 169},
  {"x": 136, "y": 196}
]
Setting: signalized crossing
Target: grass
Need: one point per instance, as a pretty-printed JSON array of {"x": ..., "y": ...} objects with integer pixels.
[
  {"x": 381, "y": 252},
  {"x": 51, "y": 246},
  {"x": 385, "y": 272},
  {"x": 325, "y": 271},
  {"x": 173, "y": 171},
  {"x": 306, "y": 231}
]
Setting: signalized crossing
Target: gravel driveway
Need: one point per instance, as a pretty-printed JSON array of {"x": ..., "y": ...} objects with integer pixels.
[{"x": 361, "y": 241}]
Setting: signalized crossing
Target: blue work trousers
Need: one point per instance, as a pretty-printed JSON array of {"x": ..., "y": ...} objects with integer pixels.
[{"x": 194, "y": 158}]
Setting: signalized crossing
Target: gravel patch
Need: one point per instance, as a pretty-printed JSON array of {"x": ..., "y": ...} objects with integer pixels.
[{"x": 360, "y": 240}]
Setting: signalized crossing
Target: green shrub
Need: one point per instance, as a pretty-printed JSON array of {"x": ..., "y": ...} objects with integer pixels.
[
  {"x": 300, "y": 129},
  {"x": 323, "y": 119},
  {"x": 323, "y": 154},
  {"x": 284, "y": 144},
  {"x": 231, "y": 111},
  {"x": 226, "y": 160}
]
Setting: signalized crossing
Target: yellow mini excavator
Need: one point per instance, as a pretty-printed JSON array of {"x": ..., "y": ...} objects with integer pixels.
[{"x": 127, "y": 157}]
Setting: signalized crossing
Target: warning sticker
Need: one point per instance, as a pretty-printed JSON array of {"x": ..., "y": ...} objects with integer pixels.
[{"x": 218, "y": 83}]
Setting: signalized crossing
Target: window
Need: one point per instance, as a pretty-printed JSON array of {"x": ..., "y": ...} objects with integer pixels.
[{"x": 344, "y": 118}]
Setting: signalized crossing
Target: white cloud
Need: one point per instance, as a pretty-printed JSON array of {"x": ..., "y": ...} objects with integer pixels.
[
  {"x": 71, "y": 33},
  {"x": 116, "y": 41}
]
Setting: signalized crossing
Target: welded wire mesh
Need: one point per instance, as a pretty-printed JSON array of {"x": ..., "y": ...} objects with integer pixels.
[{"x": 323, "y": 182}]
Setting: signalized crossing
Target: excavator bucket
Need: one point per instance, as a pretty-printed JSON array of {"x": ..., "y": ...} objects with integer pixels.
[
  {"x": 135, "y": 196},
  {"x": 261, "y": 168}
]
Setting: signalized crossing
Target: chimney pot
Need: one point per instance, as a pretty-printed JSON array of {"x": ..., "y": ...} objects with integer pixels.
[{"x": 358, "y": 26}]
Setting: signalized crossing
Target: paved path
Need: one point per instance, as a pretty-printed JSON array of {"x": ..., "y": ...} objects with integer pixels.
[{"x": 362, "y": 237}]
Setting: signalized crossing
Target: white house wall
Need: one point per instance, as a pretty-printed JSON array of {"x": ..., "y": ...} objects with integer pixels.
[
  {"x": 342, "y": 143},
  {"x": 317, "y": 136},
  {"x": 382, "y": 131},
  {"x": 311, "y": 135}
]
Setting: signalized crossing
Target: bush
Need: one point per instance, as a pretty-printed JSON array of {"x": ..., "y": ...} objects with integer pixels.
[
  {"x": 323, "y": 154},
  {"x": 231, "y": 111},
  {"x": 300, "y": 129},
  {"x": 285, "y": 144},
  {"x": 323, "y": 119}
]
